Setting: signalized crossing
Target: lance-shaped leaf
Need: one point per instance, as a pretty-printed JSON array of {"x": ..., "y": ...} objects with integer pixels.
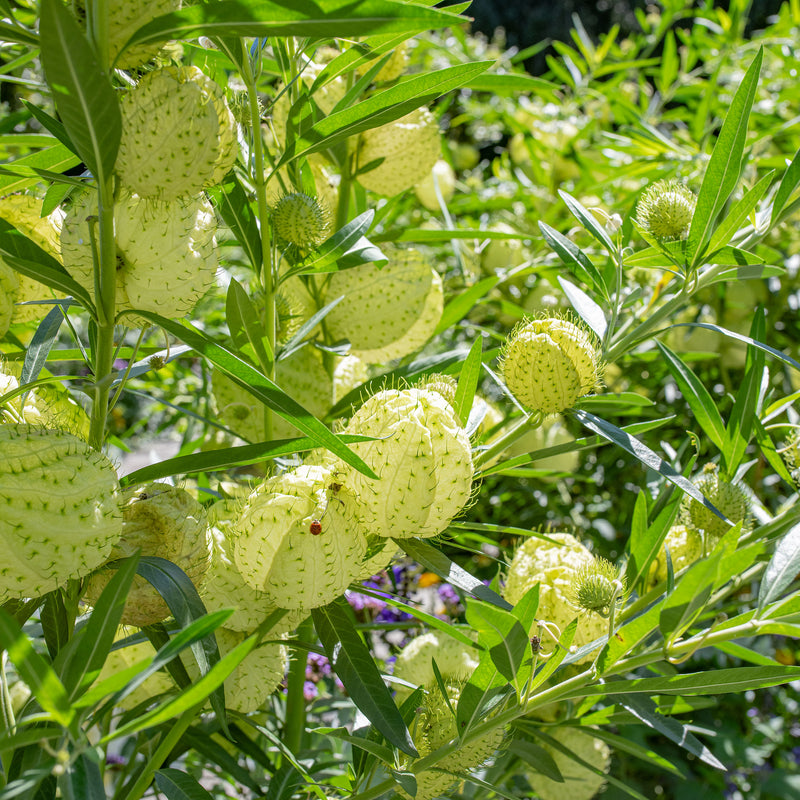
[
  {"x": 81, "y": 88},
  {"x": 781, "y": 570},
  {"x": 468, "y": 382}
]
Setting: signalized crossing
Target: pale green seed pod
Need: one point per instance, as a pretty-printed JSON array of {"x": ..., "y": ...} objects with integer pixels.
[
  {"x": 665, "y": 209},
  {"x": 224, "y": 586},
  {"x": 597, "y": 587},
  {"x": 393, "y": 68},
  {"x": 59, "y": 509},
  {"x": 579, "y": 782},
  {"x": 178, "y": 134},
  {"x": 409, "y": 147},
  {"x": 124, "y": 19},
  {"x": 729, "y": 498},
  {"x": 349, "y": 373},
  {"x": 24, "y": 212},
  {"x": 554, "y": 567},
  {"x": 300, "y": 220},
  {"x": 549, "y": 363},
  {"x": 444, "y": 385},
  {"x": 254, "y": 679},
  {"x": 123, "y": 658},
  {"x": 685, "y": 547},
  {"x": 430, "y": 783},
  {"x": 9, "y": 287},
  {"x": 297, "y": 541},
  {"x": 503, "y": 254},
  {"x": 380, "y": 553},
  {"x": 441, "y": 175},
  {"x": 386, "y": 313},
  {"x": 164, "y": 521},
  {"x": 166, "y": 251},
  {"x": 423, "y": 461}
]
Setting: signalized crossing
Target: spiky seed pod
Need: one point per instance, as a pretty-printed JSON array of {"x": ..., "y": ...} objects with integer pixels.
[
  {"x": 430, "y": 783},
  {"x": 423, "y": 461},
  {"x": 224, "y": 586},
  {"x": 163, "y": 521},
  {"x": 685, "y": 547},
  {"x": 124, "y": 657},
  {"x": 580, "y": 782},
  {"x": 49, "y": 405},
  {"x": 409, "y": 147},
  {"x": 178, "y": 134},
  {"x": 9, "y": 286},
  {"x": 254, "y": 679},
  {"x": 24, "y": 212},
  {"x": 456, "y": 661},
  {"x": 302, "y": 375},
  {"x": 553, "y": 565},
  {"x": 277, "y": 553},
  {"x": 548, "y": 363},
  {"x": 790, "y": 452},
  {"x": 59, "y": 509},
  {"x": 386, "y": 313},
  {"x": 435, "y": 726},
  {"x": 441, "y": 175},
  {"x": 300, "y": 220},
  {"x": 665, "y": 209},
  {"x": 166, "y": 251},
  {"x": 445, "y": 385},
  {"x": 597, "y": 586},
  {"x": 729, "y": 498}
]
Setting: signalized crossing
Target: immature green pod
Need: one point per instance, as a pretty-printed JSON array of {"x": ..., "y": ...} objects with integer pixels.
[
  {"x": 582, "y": 782},
  {"x": 59, "y": 509},
  {"x": 300, "y": 220},
  {"x": 224, "y": 586},
  {"x": 548, "y": 363},
  {"x": 408, "y": 147},
  {"x": 164, "y": 521},
  {"x": 729, "y": 498},
  {"x": 178, "y": 134},
  {"x": 554, "y": 565},
  {"x": 422, "y": 457},
  {"x": 665, "y": 209},
  {"x": 296, "y": 539},
  {"x": 386, "y": 313}
]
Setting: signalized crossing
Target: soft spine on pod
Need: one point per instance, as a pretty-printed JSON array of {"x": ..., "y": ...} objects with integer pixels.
[{"x": 59, "y": 509}]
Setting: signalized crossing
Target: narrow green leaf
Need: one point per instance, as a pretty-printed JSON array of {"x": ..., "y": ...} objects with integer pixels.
[
  {"x": 436, "y": 561},
  {"x": 41, "y": 344},
  {"x": 536, "y": 756},
  {"x": 214, "y": 754},
  {"x": 238, "y": 215},
  {"x": 84, "y": 97},
  {"x": 642, "y": 452},
  {"x": 57, "y": 158},
  {"x": 624, "y": 745},
  {"x": 574, "y": 258},
  {"x": 51, "y": 124},
  {"x": 177, "y": 785},
  {"x": 85, "y": 780},
  {"x": 781, "y": 570},
  {"x": 380, "y": 109},
  {"x": 511, "y": 84},
  {"x": 244, "y": 324},
  {"x": 458, "y": 307},
  {"x": 468, "y": 382},
  {"x": 703, "y": 407},
  {"x": 586, "y": 308},
  {"x": 353, "y": 663},
  {"x": 770, "y": 452},
  {"x": 644, "y": 709},
  {"x": 18, "y": 34},
  {"x": 260, "y": 386},
  {"x": 739, "y": 214},
  {"x": 586, "y": 218},
  {"x": 55, "y": 622},
  {"x": 35, "y": 671},
  {"x": 789, "y": 182},
  {"x": 554, "y": 662},
  {"x": 320, "y": 19},
  {"x": 384, "y": 753},
  {"x": 745, "y": 408},
  {"x": 724, "y": 166}
]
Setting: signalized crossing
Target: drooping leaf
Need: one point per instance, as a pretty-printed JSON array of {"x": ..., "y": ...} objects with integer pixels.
[
  {"x": 238, "y": 215},
  {"x": 41, "y": 344}
]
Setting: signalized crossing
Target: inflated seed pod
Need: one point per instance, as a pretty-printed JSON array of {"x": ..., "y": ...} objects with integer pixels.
[
  {"x": 728, "y": 497},
  {"x": 408, "y": 147},
  {"x": 178, "y": 134},
  {"x": 386, "y": 313},
  {"x": 554, "y": 565},
  {"x": 423, "y": 461},
  {"x": 254, "y": 679},
  {"x": 59, "y": 509},
  {"x": 9, "y": 286},
  {"x": 582, "y": 783},
  {"x": 665, "y": 209},
  {"x": 685, "y": 547},
  {"x": 24, "y": 212},
  {"x": 224, "y": 586},
  {"x": 124, "y": 19},
  {"x": 296, "y": 539},
  {"x": 164, "y": 521},
  {"x": 430, "y": 783},
  {"x": 441, "y": 175},
  {"x": 548, "y": 363}
]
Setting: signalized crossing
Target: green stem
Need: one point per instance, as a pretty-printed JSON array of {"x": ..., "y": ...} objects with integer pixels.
[
  {"x": 106, "y": 295},
  {"x": 294, "y": 725},
  {"x": 526, "y": 424},
  {"x": 165, "y": 747}
]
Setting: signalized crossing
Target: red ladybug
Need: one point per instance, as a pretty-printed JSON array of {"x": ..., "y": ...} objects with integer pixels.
[{"x": 315, "y": 527}]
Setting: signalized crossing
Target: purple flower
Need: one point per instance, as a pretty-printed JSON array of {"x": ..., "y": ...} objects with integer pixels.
[{"x": 309, "y": 691}]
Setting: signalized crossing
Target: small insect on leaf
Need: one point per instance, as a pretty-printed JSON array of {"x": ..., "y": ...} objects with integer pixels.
[{"x": 316, "y": 527}]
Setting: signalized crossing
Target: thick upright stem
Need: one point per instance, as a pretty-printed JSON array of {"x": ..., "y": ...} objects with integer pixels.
[{"x": 295, "y": 722}]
